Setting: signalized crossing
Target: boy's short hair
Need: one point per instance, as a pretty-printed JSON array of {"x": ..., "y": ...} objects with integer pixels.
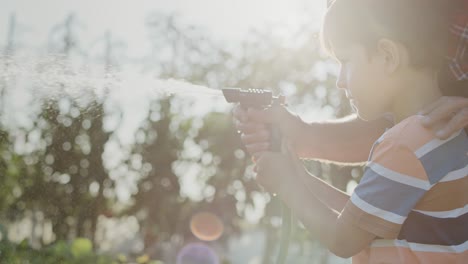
[{"x": 422, "y": 26}]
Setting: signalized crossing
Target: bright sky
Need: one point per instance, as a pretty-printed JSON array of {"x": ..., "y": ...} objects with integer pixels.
[{"x": 226, "y": 19}]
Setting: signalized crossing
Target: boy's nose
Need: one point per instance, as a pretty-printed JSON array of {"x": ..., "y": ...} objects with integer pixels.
[{"x": 340, "y": 83}]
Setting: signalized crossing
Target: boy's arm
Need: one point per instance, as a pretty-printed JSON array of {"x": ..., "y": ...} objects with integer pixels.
[
  {"x": 342, "y": 238},
  {"x": 329, "y": 195},
  {"x": 372, "y": 211},
  {"x": 307, "y": 200},
  {"x": 343, "y": 140},
  {"x": 326, "y": 193}
]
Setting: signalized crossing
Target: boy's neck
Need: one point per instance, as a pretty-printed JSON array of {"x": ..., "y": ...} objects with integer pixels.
[{"x": 419, "y": 90}]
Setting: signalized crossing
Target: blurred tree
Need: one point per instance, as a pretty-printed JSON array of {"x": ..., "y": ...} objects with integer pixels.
[
  {"x": 227, "y": 162},
  {"x": 65, "y": 179},
  {"x": 63, "y": 38},
  {"x": 184, "y": 52},
  {"x": 9, "y": 162},
  {"x": 65, "y": 187},
  {"x": 157, "y": 201}
]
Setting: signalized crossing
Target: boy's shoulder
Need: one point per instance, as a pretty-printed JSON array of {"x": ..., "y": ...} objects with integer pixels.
[
  {"x": 409, "y": 131},
  {"x": 410, "y": 144},
  {"x": 411, "y": 134}
]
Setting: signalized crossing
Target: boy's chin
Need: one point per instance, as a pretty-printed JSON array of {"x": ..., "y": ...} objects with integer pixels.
[
  {"x": 368, "y": 116},
  {"x": 365, "y": 118}
]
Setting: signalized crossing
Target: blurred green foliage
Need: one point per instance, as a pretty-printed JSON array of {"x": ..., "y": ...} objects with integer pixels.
[{"x": 78, "y": 251}]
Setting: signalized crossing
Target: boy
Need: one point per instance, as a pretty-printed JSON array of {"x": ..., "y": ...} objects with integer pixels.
[{"x": 411, "y": 204}]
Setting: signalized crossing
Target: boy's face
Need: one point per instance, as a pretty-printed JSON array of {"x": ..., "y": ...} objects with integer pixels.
[{"x": 365, "y": 81}]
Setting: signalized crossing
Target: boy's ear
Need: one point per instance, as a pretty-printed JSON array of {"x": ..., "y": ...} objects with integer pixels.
[{"x": 390, "y": 53}]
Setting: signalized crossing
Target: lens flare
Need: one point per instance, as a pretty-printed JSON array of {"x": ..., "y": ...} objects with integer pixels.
[
  {"x": 206, "y": 226},
  {"x": 197, "y": 253}
]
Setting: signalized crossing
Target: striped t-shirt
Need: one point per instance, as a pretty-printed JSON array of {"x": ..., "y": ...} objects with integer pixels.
[{"x": 413, "y": 196}]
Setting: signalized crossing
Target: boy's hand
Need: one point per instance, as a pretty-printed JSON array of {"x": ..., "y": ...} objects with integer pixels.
[
  {"x": 274, "y": 171},
  {"x": 254, "y": 134},
  {"x": 252, "y": 123},
  {"x": 280, "y": 172},
  {"x": 449, "y": 109}
]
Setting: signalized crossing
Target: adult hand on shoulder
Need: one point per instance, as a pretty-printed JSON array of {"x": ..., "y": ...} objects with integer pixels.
[{"x": 449, "y": 109}]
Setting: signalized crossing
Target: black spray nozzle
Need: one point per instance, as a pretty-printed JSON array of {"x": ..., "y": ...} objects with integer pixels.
[
  {"x": 257, "y": 98},
  {"x": 251, "y": 97}
]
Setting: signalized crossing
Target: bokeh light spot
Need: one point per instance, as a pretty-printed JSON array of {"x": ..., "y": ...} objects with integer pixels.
[
  {"x": 206, "y": 226},
  {"x": 197, "y": 253}
]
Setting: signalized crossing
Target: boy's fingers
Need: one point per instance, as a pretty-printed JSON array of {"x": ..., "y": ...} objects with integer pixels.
[
  {"x": 258, "y": 148},
  {"x": 256, "y": 156},
  {"x": 262, "y": 160},
  {"x": 239, "y": 113},
  {"x": 260, "y": 136},
  {"x": 261, "y": 116},
  {"x": 255, "y": 115},
  {"x": 249, "y": 127},
  {"x": 459, "y": 121}
]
